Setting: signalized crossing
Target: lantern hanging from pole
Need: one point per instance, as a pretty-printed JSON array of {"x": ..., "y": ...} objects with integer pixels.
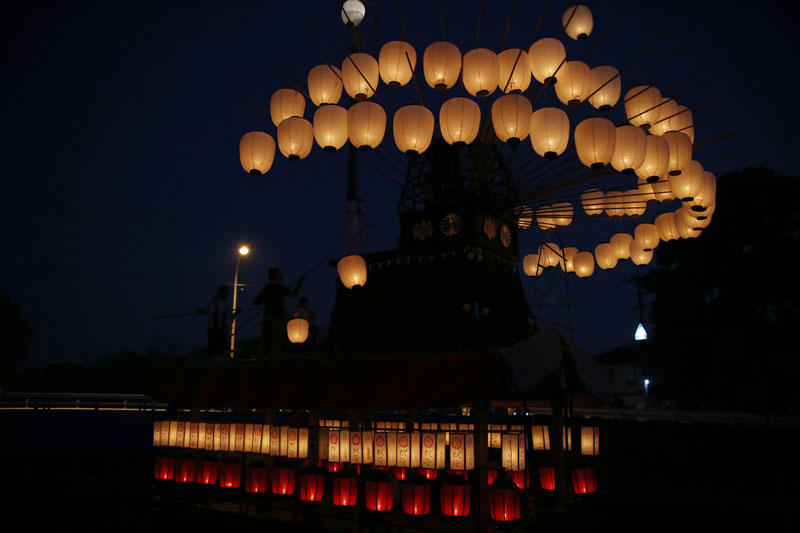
[
  {"x": 396, "y": 62},
  {"x": 668, "y": 109},
  {"x": 283, "y": 480},
  {"x": 583, "y": 262},
  {"x": 416, "y": 496},
  {"x": 312, "y": 486},
  {"x": 511, "y": 118},
  {"x": 642, "y": 105},
  {"x": 360, "y": 74},
  {"x": 620, "y": 245},
  {"x": 635, "y": 202},
  {"x": 295, "y": 138},
  {"x": 481, "y": 71},
  {"x": 297, "y": 330},
  {"x": 524, "y": 215},
  {"x": 647, "y": 236},
  {"x": 569, "y": 256},
  {"x": 413, "y": 129},
  {"x": 462, "y": 453},
  {"x": 345, "y": 490},
  {"x": 338, "y": 446},
  {"x": 707, "y": 194},
  {"x": 325, "y": 84},
  {"x": 573, "y": 82},
  {"x": 640, "y": 256},
  {"x": 662, "y": 191},
  {"x": 630, "y": 148},
  {"x": 605, "y": 256},
  {"x": 353, "y": 12},
  {"x": 330, "y": 127},
  {"x": 378, "y": 494},
  {"x": 165, "y": 468},
  {"x": 459, "y": 121},
  {"x": 590, "y": 440},
  {"x": 256, "y": 480},
  {"x": 256, "y": 152},
  {"x": 665, "y": 224},
  {"x": 531, "y": 265},
  {"x": 230, "y": 475},
  {"x": 408, "y": 449},
  {"x": 605, "y": 86},
  {"x": 614, "y": 202},
  {"x": 504, "y": 501},
  {"x": 514, "y": 71},
  {"x": 593, "y": 202},
  {"x": 680, "y": 151},
  {"x": 550, "y": 254},
  {"x": 577, "y": 22},
  {"x": 546, "y": 57},
  {"x": 513, "y": 451},
  {"x": 549, "y": 132},
  {"x": 361, "y": 447},
  {"x": 562, "y": 213},
  {"x": 543, "y": 218},
  {"x": 366, "y": 125},
  {"x": 656, "y": 159},
  {"x": 682, "y": 121},
  {"x": 286, "y": 103},
  {"x": 547, "y": 477},
  {"x": 208, "y": 473},
  {"x": 455, "y": 497},
  {"x": 688, "y": 183},
  {"x": 352, "y": 271},
  {"x": 594, "y": 141},
  {"x": 584, "y": 480},
  {"x": 441, "y": 63}
]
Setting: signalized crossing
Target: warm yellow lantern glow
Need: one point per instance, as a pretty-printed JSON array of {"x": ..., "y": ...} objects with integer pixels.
[
  {"x": 594, "y": 141},
  {"x": 681, "y": 120},
  {"x": 462, "y": 451},
  {"x": 396, "y": 62},
  {"x": 646, "y": 191},
  {"x": 545, "y": 57},
  {"x": 338, "y": 445},
  {"x": 605, "y": 85},
  {"x": 286, "y": 103},
  {"x": 549, "y": 132},
  {"x": 513, "y": 451},
  {"x": 680, "y": 151},
  {"x": 667, "y": 111},
  {"x": 656, "y": 159},
  {"x": 352, "y": 271},
  {"x": 590, "y": 440},
  {"x": 366, "y": 125},
  {"x": 544, "y": 218},
  {"x": 511, "y": 118},
  {"x": 441, "y": 64},
  {"x": 615, "y": 203},
  {"x": 688, "y": 183},
  {"x": 514, "y": 71},
  {"x": 256, "y": 152},
  {"x": 330, "y": 127},
  {"x": 685, "y": 225},
  {"x": 635, "y": 202},
  {"x": 433, "y": 450},
  {"x": 662, "y": 190},
  {"x": 707, "y": 194},
  {"x": 361, "y": 447},
  {"x": 295, "y": 138},
  {"x": 604, "y": 256},
  {"x": 562, "y": 213},
  {"x": 620, "y": 245},
  {"x": 297, "y": 443},
  {"x": 413, "y": 129},
  {"x": 459, "y": 120},
  {"x": 569, "y": 257},
  {"x": 577, "y": 22},
  {"x": 639, "y": 255},
  {"x": 573, "y": 82},
  {"x": 630, "y": 148},
  {"x": 665, "y": 224},
  {"x": 325, "y": 84},
  {"x": 647, "y": 236},
  {"x": 642, "y": 105},
  {"x": 550, "y": 254},
  {"x": 297, "y": 330},
  {"x": 583, "y": 262},
  {"x": 524, "y": 216},
  {"x": 531, "y": 265},
  {"x": 593, "y": 202},
  {"x": 481, "y": 71},
  {"x": 360, "y": 75}
]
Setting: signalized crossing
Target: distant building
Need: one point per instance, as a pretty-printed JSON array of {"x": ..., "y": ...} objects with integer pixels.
[{"x": 626, "y": 373}]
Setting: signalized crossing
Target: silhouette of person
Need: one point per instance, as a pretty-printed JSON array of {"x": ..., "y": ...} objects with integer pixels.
[
  {"x": 218, "y": 315},
  {"x": 273, "y": 324}
]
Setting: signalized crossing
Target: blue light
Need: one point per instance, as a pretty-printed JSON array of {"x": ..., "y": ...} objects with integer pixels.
[
  {"x": 646, "y": 382},
  {"x": 641, "y": 333}
]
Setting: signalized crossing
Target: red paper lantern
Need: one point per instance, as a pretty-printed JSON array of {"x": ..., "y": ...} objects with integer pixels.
[
  {"x": 186, "y": 471},
  {"x": 345, "y": 491},
  {"x": 165, "y": 468},
  {"x": 428, "y": 473},
  {"x": 230, "y": 476},
  {"x": 283, "y": 481},
  {"x": 521, "y": 479},
  {"x": 312, "y": 485},
  {"x": 456, "y": 497},
  {"x": 504, "y": 504},
  {"x": 584, "y": 480},
  {"x": 416, "y": 498},
  {"x": 399, "y": 473},
  {"x": 333, "y": 467},
  {"x": 547, "y": 477},
  {"x": 209, "y": 470},
  {"x": 256, "y": 480},
  {"x": 492, "y": 471},
  {"x": 378, "y": 495}
]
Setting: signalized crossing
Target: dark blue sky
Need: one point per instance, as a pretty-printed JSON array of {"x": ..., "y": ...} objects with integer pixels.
[{"x": 122, "y": 196}]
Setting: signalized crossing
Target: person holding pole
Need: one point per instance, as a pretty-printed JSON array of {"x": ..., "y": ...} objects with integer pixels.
[{"x": 273, "y": 323}]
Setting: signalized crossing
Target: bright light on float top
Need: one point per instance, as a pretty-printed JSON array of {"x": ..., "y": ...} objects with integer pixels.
[{"x": 641, "y": 333}]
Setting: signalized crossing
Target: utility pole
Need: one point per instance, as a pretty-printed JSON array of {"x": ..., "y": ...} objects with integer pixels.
[{"x": 355, "y": 205}]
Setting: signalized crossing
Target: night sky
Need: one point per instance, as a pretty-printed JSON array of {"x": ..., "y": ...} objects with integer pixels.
[{"x": 122, "y": 194}]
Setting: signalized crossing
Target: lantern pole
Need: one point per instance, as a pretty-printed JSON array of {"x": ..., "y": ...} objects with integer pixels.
[
  {"x": 243, "y": 251},
  {"x": 355, "y": 205}
]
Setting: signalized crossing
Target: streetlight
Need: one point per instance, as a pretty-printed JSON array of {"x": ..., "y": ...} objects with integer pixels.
[
  {"x": 243, "y": 251},
  {"x": 646, "y": 386}
]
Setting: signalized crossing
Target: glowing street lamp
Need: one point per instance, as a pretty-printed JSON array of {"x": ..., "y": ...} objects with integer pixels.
[
  {"x": 641, "y": 333},
  {"x": 646, "y": 386},
  {"x": 243, "y": 251}
]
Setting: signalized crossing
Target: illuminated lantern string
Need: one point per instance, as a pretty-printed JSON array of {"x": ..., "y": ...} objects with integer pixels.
[
  {"x": 594, "y": 141},
  {"x": 459, "y": 121},
  {"x": 256, "y": 152},
  {"x": 688, "y": 183},
  {"x": 325, "y": 84},
  {"x": 569, "y": 257},
  {"x": 286, "y": 103},
  {"x": 605, "y": 256},
  {"x": 668, "y": 109},
  {"x": 396, "y": 62},
  {"x": 641, "y": 105},
  {"x": 647, "y": 236},
  {"x": 550, "y": 254},
  {"x": 531, "y": 265},
  {"x": 639, "y": 255},
  {"x": 605, "y": 86},
  {"x": 511, "y": 118},
  {"x": 620, "y": 245},
  {"x": 549, "y": 132},
  {"x": 583, "y": 263},
  {"x": 635, "y": 202},
  {"x": 593, "y": 202},
  {"x": 481, "y": 71},
  {"x": 545, "y": 56},
  {"x": 366, "y": 125},
  {"x": 630, "y": 148},
  {"x": 656, "y": 159},
  {"x": 573, "y": 82},
  {"x": 514, "y": 71},
  {"x": 360, "y": 74},
  {"x": 680, "y": 151},
  {"x": 615, "y": 203},
  {"x": 413, "y": 129},
  {"x": 295, "y": 138},
  {"x": 330, "y": 127},
  {"x": 665, "y": 224},
  {"x": 441, "y": 64},
  {"x": 577, "y": 22}
]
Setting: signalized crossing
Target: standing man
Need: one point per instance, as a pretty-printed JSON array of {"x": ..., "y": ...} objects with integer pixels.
[
  {"x": 218, "y": 315},
  {"x": 273, "y": 324}
]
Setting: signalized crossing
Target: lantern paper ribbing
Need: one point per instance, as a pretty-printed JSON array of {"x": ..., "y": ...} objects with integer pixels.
[
  {"x": 545, "y": 57},
  {"x": 352, "y": 271},
  {"x": 514, "y": 71},
  {"x": 441, "y": 64},
  {"x": 459, "y": 120},
  {"x": 413, "y": 129},
  {"x": 577, "y": 22},
  {"x": 665, "y": 224},
  {"x": 366, "y": 125},
  {"x": 549, "y": 132},
  {"x": 668, "y": 109},
  {"x": 594, "y": 141},
  {"x": 642, "y": 105},
  {"x": 583, "y": 262},
  {"x": 480, "y": 72},
  {"x": 330, "y": 127},
  {"x": 393, "y": 62},
  {"x": 360, "y": 75},
  {"x": 605, "y": 86},
  {"x": 511, "y": 118},
  {"x": 647, "y": 236},
  {"x": 605, "y": 256},
  {"x": 295, "y": 138},
  {"x": 656, "y": 159},
  {"x": 256, "y": 152},
  {"x": 620, "y": 245},
  {"x": 680, "y": 151},
  {"x": 286, "y": 103},
  {"x": 630, "y": 148},
  {"x": 325, "y": 84},
  {"x": 573, "y": 82},
  {"x": 688, "y": 183}
]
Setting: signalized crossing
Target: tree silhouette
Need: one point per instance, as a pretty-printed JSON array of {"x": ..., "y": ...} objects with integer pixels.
[{"x": 16, "y": 334}]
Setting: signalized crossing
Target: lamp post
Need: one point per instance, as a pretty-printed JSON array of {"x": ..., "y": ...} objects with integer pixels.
[
  {"x": 646, "y": 386},
  {"x": 243, "y": 251}
]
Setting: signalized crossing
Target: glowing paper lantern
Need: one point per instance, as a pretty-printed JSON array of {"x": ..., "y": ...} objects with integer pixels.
[
  {"x": 550, "y": 255},
  {"x": 665, "y": 224},
  {"x": 593, "y": 202},
  {"x": 647, "y": 236},
  {"x": 360, "y": 75},
  {"x": 165, "y": 468},
  {"x": 681, "y": 120},
  {"x": 221, "y": 437},
  {"x": 688, "y": 183},
  {"x": 549, "y": 132},
  {"x": 642, "y": 105},
  {"x": 524, "y": 215},
  {"x": 562, "y": 213},
  {"x": 330, "y": 127},
  {"x": 256, "y": 152},
  {"x": 545, "y": 57},
  {"x": 459, "y": 121},
  {"x": 594, "y": 141},
  {"x": 584, "y": 480},
  {"x": 295, "y": 138},
  {"x": 662, "y": 191},
  {"x": 569, "y": 254},
  {"x": 345, "y": 491},
  {"x": 630, "y": 148},
  {"x": 286, "y": 103},
  {"x": 416, "y": 498},
  {"x": 283, "y": 481},
  {"x": 366, "y": 125},
  {"x": 513, "y": 451},
  {"x": 433, "y": 450},
  {"x": 605, "y": 256},
  {"x": 462, "y": 454},
  {"x": 192, "y": 438},
  {"x": 378, "y": 495},
  {"x": 667, "y": 111},
  {"x": 441, "y": 64},
  {"x": 385, "y": 448},
  {"x": 544, "y": 219},
  {"x": 547, "y": 477},
  {"x": 297, "y": 330},
  {"x": 237, "y": 438},
  {"x": 297, "y": 443},
  {"x": 656, "y": 159},
  {"x": 605, "y": 86},
  {"x": 511, "y": 118},
  {"x": 157, "y": 433},
  {"x": 577, "y": 22},
  {"x": 590, "y": 440},
  {"x": 680, "y": 151},
  {"x": 531, "y": 265},
  {"x": 352, "y": 271},
  {"x": 338, "y": 446},
  {"x": 230, "y": 475},
  {"x": 635, "y": 202},
  {"x": 408, "y": 449},
  {"x": 396, "y": 63},
  {"x": 521, "y": 479},
  {"x": 573, "y": 82},
  {"x": 615, "y": 203},
  {"x": 707, "y": 194},
  {"x": 353, "y": 12},
  {"x": 504, "y": 504},
  {"x": 312, "y": 486},
  {"x": 514, "y": 71},
  {"x": 455, "y": 497},
  {"x": 413, "y": 129},
  {"x": 639, "y": 255},
  {"x": 361, "y": 447},
  {"x": 583, "y": 263},
  {"x": 481, "y": 70},
  {"x": 325, "y": 84},
  {"x": 208, "y": 473},
  {"x": 620, "y": 245},
  {"x": 256, "y": 480},
  {"x": 687, "y": 229}
]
